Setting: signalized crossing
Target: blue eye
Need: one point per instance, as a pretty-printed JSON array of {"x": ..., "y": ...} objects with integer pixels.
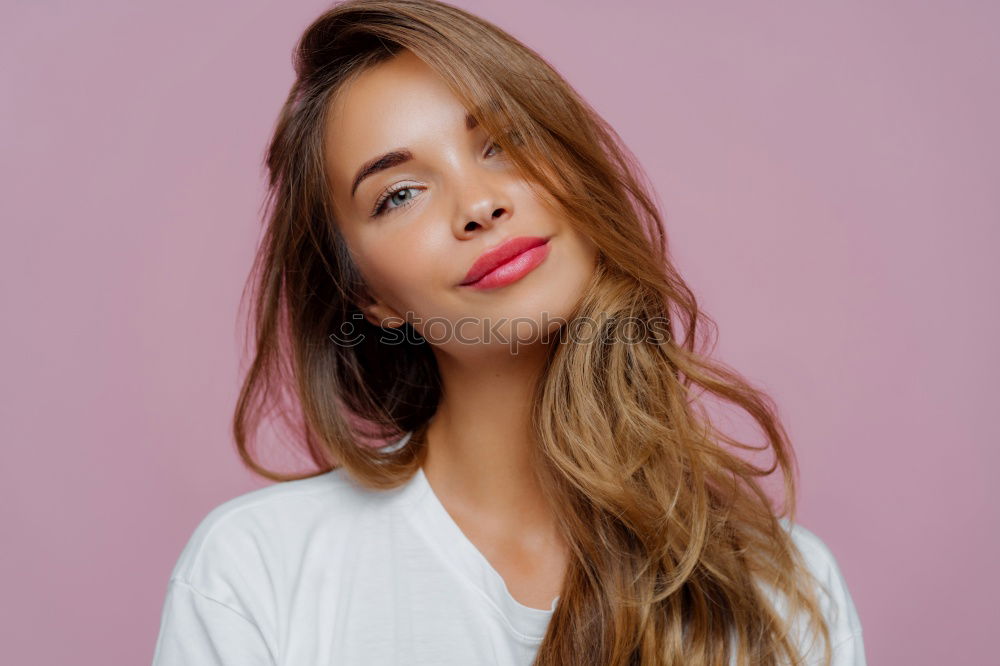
[{"x": 389, "y": 195}]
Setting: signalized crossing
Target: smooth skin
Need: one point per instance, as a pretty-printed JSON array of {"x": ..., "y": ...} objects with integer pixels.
[{"x": 463, "y": 197}]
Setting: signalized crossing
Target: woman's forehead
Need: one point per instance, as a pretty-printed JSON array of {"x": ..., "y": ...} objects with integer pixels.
[
  {"x": 401, "y": 104},
  {"x": 391, "y": 98}
]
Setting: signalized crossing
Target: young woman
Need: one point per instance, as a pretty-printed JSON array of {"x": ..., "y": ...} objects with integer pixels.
[{"x": 461, "y": 260}]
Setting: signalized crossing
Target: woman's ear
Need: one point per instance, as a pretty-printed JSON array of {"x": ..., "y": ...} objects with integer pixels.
[
  {"x": 374, "y": 310},
  {"x": 381, "y": 315}
]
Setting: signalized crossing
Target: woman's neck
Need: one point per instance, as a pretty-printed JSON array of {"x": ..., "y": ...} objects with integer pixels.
[{"x": 480, "y": 448}]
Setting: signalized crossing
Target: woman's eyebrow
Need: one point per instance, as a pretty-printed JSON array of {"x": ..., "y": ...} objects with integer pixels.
[{"x": 395, "y": 158}]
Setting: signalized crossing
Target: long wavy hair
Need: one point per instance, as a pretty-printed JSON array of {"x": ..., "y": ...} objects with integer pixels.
[{"x": 677, "y": 554}]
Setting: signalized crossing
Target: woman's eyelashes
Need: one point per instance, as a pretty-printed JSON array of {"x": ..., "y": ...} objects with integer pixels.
[
  {"x": 491, "y": 146},
  {"x": 387, "y": 196},
  {"x": 380, "y": 207}
]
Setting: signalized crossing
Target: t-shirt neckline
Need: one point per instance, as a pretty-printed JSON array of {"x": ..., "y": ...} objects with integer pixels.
[{"x": 447, "y": 538}]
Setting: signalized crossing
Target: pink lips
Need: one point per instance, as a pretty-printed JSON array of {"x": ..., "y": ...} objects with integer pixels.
[{"x": 507, "y": 262}]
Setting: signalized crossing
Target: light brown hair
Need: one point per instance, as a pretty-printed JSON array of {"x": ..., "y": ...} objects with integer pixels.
[{"x": 671, "y": 532}]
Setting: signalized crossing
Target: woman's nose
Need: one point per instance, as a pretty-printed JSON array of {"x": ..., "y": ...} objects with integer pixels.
[{"x": 484, "y": 207}]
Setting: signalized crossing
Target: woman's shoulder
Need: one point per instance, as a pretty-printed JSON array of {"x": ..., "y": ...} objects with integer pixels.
[
  {"x": 835, "y": 598},
  {"x": 815, "y": 551},
  {"x": 244, "y": 555},
  {"x": 259, "y": 528},
  {"x": 818, "y": 557}
]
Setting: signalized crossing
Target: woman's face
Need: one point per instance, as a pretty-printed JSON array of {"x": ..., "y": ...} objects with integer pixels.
[{"x": 416, "y": 226}]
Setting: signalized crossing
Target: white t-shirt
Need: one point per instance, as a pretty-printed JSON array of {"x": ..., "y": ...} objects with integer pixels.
[{"x": 322, "y": 571}]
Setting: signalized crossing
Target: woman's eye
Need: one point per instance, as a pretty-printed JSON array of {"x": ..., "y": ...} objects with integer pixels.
[
  {"x": 401, "y": 197},
  {"x": 515, "y": 138},
  {"x": 494, "y": 146}
]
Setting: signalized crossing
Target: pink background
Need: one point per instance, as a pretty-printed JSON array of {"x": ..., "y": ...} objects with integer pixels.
[{"x": 829, "y": 174}]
